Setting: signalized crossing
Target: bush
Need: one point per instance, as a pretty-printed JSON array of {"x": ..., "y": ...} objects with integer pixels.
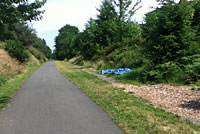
[
  {"x": 17, "y": 50},
  {"x": 138, "y": 74},
  {"x": 168, "y": 72},
  {"x": 193, "y": 70},
  {"x": 78, "y": 61},
  {"x": 38, "y": 54},
  {"x": 2, "y": 45},
  {"x": 126, "y": 56}
]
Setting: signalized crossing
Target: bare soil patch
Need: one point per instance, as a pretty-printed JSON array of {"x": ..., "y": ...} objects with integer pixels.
[{"x": 180, "y": 100}]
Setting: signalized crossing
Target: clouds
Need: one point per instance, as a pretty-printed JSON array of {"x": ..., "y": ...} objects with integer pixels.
[
  {"x": 147, "y": 6},
  {"x": 74, "y": 12},
  {"x": 61, "y": 12}
]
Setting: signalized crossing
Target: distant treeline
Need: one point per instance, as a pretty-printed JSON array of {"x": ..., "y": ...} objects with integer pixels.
[
  {"x": 15, "y": 31},
  {"x": 164, "y": 49}
]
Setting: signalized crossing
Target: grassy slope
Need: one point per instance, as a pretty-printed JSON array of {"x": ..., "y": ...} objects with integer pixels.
[
  {"x": 9, "y": 88},
  {"x": 133, "y": 114},
  {"x": 13, "y": 74}
]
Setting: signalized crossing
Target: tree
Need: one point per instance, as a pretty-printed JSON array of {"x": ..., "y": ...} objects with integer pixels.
[
  {"x": 106, "y": 24},
  {"x": 41, "y": 45},
  {"x": 125, "y": 10},
  {"x": 23, "y": 32},
  {"x": 168, "y": 32},
  {"x": 171, "y": 40},
  {"x": 17, "y": 11},
  {"x": 65, "y": 42},
  {"x": 89, "y": 46},
  {"x": 102, "y": 36},
  {"x": 20, "y": 10}
]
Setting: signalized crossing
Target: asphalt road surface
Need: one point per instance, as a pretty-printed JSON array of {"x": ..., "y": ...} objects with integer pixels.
[{"x": 48, "y": 103}]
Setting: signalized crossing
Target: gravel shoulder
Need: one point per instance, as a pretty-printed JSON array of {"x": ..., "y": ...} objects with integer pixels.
[{"x": 180, "y": 100}]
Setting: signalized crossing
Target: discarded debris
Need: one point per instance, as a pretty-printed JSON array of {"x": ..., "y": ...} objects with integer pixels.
[{"x": 119, "y": 71}]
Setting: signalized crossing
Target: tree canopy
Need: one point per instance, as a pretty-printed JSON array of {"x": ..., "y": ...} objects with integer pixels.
[
  {"x": 14, "y": 12},
  {"x": 20, "y": 10},
  {"x": 165, "y": 48}
]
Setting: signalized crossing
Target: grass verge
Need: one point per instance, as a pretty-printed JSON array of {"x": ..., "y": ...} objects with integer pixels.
[
  {"x": 133, "y": 114},
  {"x": 8, "y": 89}
]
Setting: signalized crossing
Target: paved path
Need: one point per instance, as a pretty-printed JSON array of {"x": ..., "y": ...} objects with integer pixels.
[{"x": 49, "y": 104}]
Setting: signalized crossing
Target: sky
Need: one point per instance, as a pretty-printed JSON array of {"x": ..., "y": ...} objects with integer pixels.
[{"x": 76, "y": 13}]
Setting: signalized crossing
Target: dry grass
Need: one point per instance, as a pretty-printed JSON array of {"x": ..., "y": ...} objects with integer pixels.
[
  {"x": 2, "y": 43},
  {"x": 8, "y": 65},
  {"x": 34, "y": 61},
  {"x": 74, "y": 59}
]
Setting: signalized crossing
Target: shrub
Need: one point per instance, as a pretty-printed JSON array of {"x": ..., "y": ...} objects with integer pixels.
[
  {"x": 17, "y": 50},
  {"x": 78, "y": 61},
  {"x": 193, "y": 70},
  {"x": 38, "y": 54},
  {"x": 138, "y": 74},
  {"x": 2, "y": 45},
  {"x": 3, "y": 79},
  {"x": 168, "y": 72}
]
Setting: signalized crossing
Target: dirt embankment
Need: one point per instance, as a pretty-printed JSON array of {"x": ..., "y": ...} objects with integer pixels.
[{"x": 8, "y": 65}]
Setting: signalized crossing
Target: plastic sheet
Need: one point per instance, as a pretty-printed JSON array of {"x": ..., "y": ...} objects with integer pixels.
[{"x": 119, "y": 71}]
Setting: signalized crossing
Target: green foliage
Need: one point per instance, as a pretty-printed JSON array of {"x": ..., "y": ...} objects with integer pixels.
[
  {"x": 164, "y": 49},
  {"x": 17, "y": 11},
  {"x": 193, "y": 70},
  {"x": 27, "y": 36},
  {"x": 20, "y": 10},
  {"x": 89, "y": 47},
  {"x": 168, "y": 33},
  {"x": 137, "y": 76},
  {"x": 171, "y": 42},
  {"x": 100, "y": 35},
  {"x": 38, "y": 54},
  {"x": 2, "y": 45},
  {"x": 17, "y": 50},
  {"x": 126, "y": 8},
  {"x": 66, "y": 46},
  {"x": 8, "y": 88},
  {"x": 106, "y": 24},
  {"x": 19, "y": 31},
  {"x": 78, "y": 61},
  {"x": 129, "y": 56},
  {"x": 3, "y": 79},
  {"x": 166, "y": 73},
  {"x": 133, "y": 114},
  {"x": 41, "y": 45}
]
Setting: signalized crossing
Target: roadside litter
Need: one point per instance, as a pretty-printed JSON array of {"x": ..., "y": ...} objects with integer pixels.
[{"x": 119, "y": 71}]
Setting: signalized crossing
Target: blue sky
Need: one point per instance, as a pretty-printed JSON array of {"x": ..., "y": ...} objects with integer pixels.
[{"x": 74, "y": 12}]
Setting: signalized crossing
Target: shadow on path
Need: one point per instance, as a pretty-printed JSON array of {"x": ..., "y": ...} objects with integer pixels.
[{"x": 4, "y": 100}]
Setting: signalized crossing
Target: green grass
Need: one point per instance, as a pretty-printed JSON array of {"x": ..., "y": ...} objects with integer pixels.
[
  {"x": 2, "y": 45},
  {"x": 8, "y": 89},
  {"x": 131, "y": 113},
  {"x": 5, "y": 78}
]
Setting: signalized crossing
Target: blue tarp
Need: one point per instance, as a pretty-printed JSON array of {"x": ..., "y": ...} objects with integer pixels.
[{"x": 119, "y": 71}]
